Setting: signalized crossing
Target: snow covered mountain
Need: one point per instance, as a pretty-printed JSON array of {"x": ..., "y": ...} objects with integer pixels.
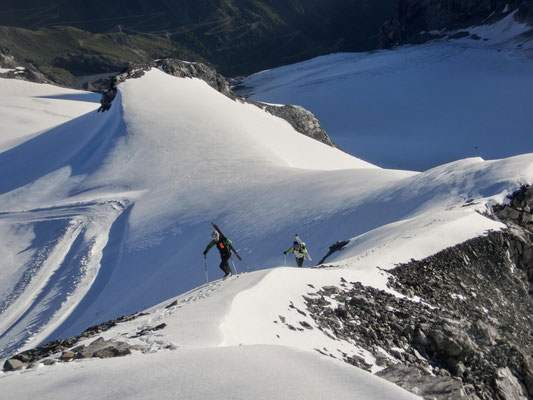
[
  {"x": 420, "y": 106},
  {"x": 107, "y": 214}
]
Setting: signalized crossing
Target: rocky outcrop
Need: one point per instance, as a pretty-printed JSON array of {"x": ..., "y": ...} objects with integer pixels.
[
  {"x": 19, "y": 70},
  {"x": 417, "y": 21},
  {"x": 186, "y": 69},
  {"x": 301, "y": 120},
  {"x": 68, "y": 349},
  {"x": 518, "y": 215},
  {"x": 99, "y": 348},
  {"x": 6, "y": 58},
  {"x": 463, "y": 329},
  {"x": 337, "y": 246}
]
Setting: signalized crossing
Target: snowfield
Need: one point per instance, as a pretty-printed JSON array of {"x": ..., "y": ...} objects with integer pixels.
[
  {"x": 106, "y": 214},
  {"x": 418, "y": 107},
  {"x": 29, "y": 109}
]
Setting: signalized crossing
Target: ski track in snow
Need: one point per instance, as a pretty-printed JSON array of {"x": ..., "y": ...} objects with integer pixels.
[{"x": 67, "y": 249}]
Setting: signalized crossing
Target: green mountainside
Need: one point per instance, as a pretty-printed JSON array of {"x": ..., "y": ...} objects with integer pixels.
[{"x": 68, "y": 39}]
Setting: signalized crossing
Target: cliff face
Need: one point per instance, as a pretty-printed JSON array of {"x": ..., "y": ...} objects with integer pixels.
[{"x": 414, "y": 19}]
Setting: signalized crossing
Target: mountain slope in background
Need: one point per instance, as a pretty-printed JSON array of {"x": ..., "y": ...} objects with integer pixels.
[
  {"x": 238, "y": 37},
  {"x": 417, "y": 107},
  {"x": 418, "y": 21}
]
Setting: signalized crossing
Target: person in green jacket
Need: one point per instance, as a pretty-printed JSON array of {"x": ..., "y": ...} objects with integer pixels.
[
  {"x": 223, "y": 246},
  {"x": 299, "y": 252}
]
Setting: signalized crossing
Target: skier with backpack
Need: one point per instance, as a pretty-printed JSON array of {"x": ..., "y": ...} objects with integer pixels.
[
  {"x": 299, "y": 252},
  {"x": 224, "y": 247}
]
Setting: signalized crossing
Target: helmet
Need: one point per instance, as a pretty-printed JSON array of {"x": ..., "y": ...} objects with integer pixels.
[
  {"x": 295, "y": 243},
  {"x": 215, "y": 235}
]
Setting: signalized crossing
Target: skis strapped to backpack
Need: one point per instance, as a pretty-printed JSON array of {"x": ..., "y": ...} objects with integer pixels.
[
  {"x": 230, "y": 246},
  {"x": 302, "y": 244}
]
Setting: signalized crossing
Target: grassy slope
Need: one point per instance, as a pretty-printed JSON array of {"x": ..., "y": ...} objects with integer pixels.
[
  {"x": 62, "y": 52},
  {"x": 236, "y": 36}
]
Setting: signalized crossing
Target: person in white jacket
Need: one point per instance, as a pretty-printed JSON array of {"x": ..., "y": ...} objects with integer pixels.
[{"x": 299, "y": 252}]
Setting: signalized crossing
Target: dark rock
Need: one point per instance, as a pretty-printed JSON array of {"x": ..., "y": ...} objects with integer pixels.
[
  {"x": 337, "y": 246},
  {"x": 103, "y": 349},
  {"x": 306, "y": 325},
  {"x": 508, "y": 386},
  {"x": 20, "y": 70},
  {"x": 13, "y": 364},
  {"x": 480, "y": 333},
  {"x": 67, "y": 356},
  {"x": 150, "y": 329},
  {"x": 65, "y": 345},
  {"x": 186, "y": 69},
  {"x": 422, "y": 383},
  {"x": 111, "y": 351},
  {"x": 173, "y": 304},
  {"x": 6, "y": 58},
  {"x": 302, "y": 120},
  {"x": 358, "y": 362}
]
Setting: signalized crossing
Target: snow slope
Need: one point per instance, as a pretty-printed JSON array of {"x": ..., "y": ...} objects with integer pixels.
[
  {"x": 186, "y": 360},
  {"x": 28, "y": 109},
  {"x": 108, "y": 214},
  {"x": 417, "y": 107}
]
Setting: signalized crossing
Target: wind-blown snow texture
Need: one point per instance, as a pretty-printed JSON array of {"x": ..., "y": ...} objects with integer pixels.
[
  {"x": 418, "y": 107},
  {"x": 107, "y": 214}
]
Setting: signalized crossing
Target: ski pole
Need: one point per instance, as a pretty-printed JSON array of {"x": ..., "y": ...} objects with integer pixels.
[
  {"x": 234, "y": 267},
  {"x": 206, "y": 277},
  {"x": 285, "y": 260}
]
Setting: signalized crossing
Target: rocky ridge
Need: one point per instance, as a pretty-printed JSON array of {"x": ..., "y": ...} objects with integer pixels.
[
  {"x": 302, "y": 120},
  {"x": 17, "y": 70},
  {"x": 81, "y": 346},
  {"x": 66, "y": 349},
  {"x": 461, "y": 328}
]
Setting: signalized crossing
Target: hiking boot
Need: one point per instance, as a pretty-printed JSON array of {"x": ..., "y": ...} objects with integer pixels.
[{"x": 227, "y": 275}]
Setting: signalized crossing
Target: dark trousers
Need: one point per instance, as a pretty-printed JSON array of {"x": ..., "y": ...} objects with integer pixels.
[
  {"x": 224, "y": 265},
  {"x": 300, "y": 261}
]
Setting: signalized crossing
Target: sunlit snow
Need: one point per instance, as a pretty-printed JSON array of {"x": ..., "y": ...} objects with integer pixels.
[
  {"x": 418, "y": 107},
  {"x": 106, "y": 214}
]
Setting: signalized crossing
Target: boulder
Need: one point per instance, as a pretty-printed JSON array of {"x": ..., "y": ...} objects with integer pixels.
[
  {"x": 422, "y": 383},
  {"x": 508, "y": 385},
  {"x": 13, "y": 364},
  {"x": 67, "y": 356}
]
